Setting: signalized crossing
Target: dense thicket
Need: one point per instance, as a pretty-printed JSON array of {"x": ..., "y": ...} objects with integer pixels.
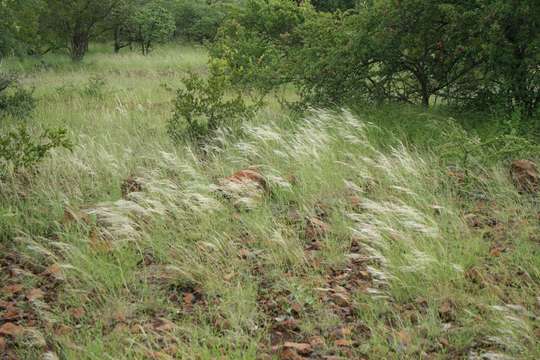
[{"x": 483, "y": 53}]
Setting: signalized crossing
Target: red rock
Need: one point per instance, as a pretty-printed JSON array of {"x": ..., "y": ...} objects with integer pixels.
[
  {"x": 301, "y": 348},
  {"x": 525, "y": 175},
  {"x": 316, "y": 229},
  {"x": 35, "y": 294},
  {"x": 12, "y": 289},
  {"x": 341, "y": 299},
  {"x": 290, "y": 354},
  {"x": 246, "y": 176},
  {"x": 316, "y": 342},
  {"x": 11, "y": 329},
  {"x": 343, "y": 342}
]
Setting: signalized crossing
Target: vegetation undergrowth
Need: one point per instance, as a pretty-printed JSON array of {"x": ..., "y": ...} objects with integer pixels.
[{"x": 355, "y": 235}]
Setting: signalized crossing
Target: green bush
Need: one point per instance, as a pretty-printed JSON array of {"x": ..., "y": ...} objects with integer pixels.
[
  {"x": 19, "y": 148},
  {"x": 468, "y": 150},
  {"x": 254, "y": 49},
  {"x": 15, "y": 101},
  {"x": 203, "y": 106}
]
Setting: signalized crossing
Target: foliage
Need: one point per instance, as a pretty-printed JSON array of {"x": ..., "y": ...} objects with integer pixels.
[
  {"x": 15, "y": 100},
  {"x": 481, "y": 54},
  {"x": 19, "y": 21},
  {"x": 6, "y": 80},
  {"x": 119, "y": 24},
  {"x": 329, "y": 69},
  {"x": 20, "y": 149},
  {"x": 408, "y": 51},
  {"x": 17, "y": 103},
  {"x": 333, "y": 5},
  {"x": 199, "y": 20},
  {"x": 204, "y": 106},
  {"x": 469, "y": 150},
  {"x": 511, "y": 46},
  {"x": 419, "y": 49},
  {"x": 73, "y": 24},
  {"x": 94, "y": 87},
  {"x": 152, "y": 24},
  {"x": 251, "y": 49}
]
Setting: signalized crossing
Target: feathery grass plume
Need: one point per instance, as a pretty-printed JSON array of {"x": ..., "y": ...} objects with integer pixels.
[{"x": 514, "y": 329}]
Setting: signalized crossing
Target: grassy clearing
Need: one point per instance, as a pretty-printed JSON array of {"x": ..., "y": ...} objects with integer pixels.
[{"x": 357, "y": 246}]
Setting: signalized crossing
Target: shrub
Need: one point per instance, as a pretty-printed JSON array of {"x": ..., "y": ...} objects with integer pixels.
[
  {"x": 15, "y": 101},
  {"x": 467, "y": 150},
  {"x": 21, "y": 149},
  {"x": 203, "y": 106},
  {"x": 6, "y": 80},
  {"x": 255, "y": 47}
]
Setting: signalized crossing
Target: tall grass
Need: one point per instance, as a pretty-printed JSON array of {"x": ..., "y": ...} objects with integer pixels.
[{"x": 189, "y": 266}]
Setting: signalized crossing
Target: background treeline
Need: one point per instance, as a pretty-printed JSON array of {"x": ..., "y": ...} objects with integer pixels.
[
  {"x": 35, "y": 27},
  {"x": 482, "y": 54}
]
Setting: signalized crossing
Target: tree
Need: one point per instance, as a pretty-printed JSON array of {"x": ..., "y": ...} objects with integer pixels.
[
  {"x": 20, "y": 27},
  {"x": 72, "y": 24},
  {"x": 198, "y": 20},
  {"x": 409, "y": 50},
  {"x": 119, "y": 24},
  {"x": 152, "y": 23},
  {"x": 8, "y": 33},
  {"x": 512, "y": 49},
  {"x": 420, "y": 49},
  {"x": 333, "y": 5},
  {"x": 252, "y": 47}
]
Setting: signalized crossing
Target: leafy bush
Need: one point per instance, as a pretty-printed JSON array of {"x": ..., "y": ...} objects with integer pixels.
[
  {"x": 254, "y": 48},
  {"x": 465, "y": 150},
  {"x": 203, "y": 106},
  {"x": 21, "y": 149},
  {"x": 14, "y": 100}
]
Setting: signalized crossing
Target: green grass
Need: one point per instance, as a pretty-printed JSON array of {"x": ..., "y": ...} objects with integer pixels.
[{"x": 177, "y": 270}]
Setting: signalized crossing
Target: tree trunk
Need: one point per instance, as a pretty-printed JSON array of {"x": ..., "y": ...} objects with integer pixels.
[
  {"x": 424, "y": 88},
  {"x": 425, "y": 100},
  {"x": 79, "y": 46},
  {"x": 117, "y": 45}
]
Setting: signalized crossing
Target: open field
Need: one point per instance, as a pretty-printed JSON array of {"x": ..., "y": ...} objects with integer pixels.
[{"x": 347, "y": 235}]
